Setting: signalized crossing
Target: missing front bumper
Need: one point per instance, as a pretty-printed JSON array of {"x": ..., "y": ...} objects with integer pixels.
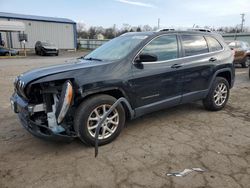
[{"x": 20, "y": 106}]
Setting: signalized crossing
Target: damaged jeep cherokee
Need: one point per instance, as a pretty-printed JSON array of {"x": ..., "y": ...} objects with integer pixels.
[{"x": 150, "y": 70}]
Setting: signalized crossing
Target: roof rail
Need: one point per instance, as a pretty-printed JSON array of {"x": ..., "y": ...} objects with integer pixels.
[
  {"x": 184, "y": 29},
  {"x": 165, "y": 29},
  {"x": 201, "y": 29}
]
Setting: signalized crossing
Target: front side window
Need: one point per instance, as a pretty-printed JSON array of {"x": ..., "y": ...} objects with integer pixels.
[
  {"x": 194, "y": 45},
  {"x": 214, "y": 45},
  {"x": 163, "y": 47}
]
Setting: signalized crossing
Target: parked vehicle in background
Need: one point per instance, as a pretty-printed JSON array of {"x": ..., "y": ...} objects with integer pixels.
[
  {"x": 249, "y": 72},
  {"x": 46, "y": 48},
  {"x": 151, "y": 70},
  {"x": 5, "y": 51},
  {"x": 241, "y": 52}
]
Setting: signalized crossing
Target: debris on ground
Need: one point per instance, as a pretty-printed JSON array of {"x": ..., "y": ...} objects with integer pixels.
[{"x": 185, "y": 172}]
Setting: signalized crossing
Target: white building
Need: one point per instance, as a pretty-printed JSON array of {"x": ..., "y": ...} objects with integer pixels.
[{"x": 60, "y": 31}]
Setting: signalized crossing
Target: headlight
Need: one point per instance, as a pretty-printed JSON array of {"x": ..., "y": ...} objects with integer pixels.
[{"x": 64, "y": 101}]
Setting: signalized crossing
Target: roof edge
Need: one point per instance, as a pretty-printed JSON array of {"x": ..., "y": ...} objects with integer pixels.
[{"x": 35, "y": 18}]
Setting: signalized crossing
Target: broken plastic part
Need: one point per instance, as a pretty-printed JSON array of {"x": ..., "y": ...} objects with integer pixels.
[
  {"x": 51, "y": 117},
  {"x": 119, "y": 101}
]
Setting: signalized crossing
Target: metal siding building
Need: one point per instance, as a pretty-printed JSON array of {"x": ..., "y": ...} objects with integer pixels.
[{"x": 60, "y": 31}]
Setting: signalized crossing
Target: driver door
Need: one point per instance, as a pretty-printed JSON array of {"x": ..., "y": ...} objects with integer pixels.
[{"x": 158, "y": 84}]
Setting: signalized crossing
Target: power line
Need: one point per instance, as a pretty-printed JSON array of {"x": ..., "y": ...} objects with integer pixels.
[{"x": 242, "y": 21}]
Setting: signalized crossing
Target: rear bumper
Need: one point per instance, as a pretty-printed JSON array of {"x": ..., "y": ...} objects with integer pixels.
[{"x": 20, "y": 106}]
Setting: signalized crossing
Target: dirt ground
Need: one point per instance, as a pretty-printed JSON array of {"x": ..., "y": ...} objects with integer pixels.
[{"x": 170, "y": 140}]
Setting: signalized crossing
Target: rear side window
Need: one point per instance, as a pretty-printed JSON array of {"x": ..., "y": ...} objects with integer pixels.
[
  {"x": 164, "y": 47},
  {"x": 214, "y": 44},
  {"x": 194, "y": 45}
]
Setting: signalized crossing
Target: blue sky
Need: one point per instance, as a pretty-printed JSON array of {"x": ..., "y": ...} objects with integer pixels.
[{"x": 105, "y": 13}]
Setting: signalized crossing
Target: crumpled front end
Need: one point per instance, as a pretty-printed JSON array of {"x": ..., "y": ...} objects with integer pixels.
[{"x": 45, "y": 109}]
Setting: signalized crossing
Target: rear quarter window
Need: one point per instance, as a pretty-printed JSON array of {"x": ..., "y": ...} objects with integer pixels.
[
  {"x": 214, "y": 44},
  {"x": 194, "y": 45}
]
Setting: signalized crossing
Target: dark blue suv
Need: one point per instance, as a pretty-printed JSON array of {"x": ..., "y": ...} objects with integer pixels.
[{"x": 151, "y": 70}]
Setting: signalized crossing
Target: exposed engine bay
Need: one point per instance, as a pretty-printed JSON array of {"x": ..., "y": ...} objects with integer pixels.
[{"x": 49, "y": 106}]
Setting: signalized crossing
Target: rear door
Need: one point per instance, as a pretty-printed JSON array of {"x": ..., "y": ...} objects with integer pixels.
[
  {"x": 198, "y": 66},
  {"x": 158, "y": 82}
]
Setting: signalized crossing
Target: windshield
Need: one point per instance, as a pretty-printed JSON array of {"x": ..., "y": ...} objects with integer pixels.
[
  {"x": 47, "y": 44},
  {"x": 116, "y": 48}
]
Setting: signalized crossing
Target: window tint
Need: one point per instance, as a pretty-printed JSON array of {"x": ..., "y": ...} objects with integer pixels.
[
  {"x": 194, "y": 45},
  {"x": 213, "y": 43},
  {"x": 164, "y": 47}
]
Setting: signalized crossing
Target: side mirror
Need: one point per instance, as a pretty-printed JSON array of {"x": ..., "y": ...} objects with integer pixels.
[{"x": 146, "y": 58}]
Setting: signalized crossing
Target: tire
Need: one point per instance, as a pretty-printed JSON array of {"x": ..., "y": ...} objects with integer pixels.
[
  {"x": 245, "y": 64},
  {"x": 7, "y": 54},
  {"x": 85, "y": 112},
  {"x": 210, "y": 102},
  {"x": 249, "y": 72},
  {"x": 42, "y": 53}
]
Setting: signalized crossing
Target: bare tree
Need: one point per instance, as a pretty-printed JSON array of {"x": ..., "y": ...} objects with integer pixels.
[
  {"x": 80, "y": 26},
  {"x": 147, "y": 28}
]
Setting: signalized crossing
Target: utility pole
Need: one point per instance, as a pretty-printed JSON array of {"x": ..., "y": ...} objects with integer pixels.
[
  {"x": 242, "y": 21},
  {"x": 158, "y": 23}
]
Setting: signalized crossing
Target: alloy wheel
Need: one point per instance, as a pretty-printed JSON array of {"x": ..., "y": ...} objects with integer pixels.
[
  {"x": 220, "y": 94},
  {"x": 108, "y": 127}
]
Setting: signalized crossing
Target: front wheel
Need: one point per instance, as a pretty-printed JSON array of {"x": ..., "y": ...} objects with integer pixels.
[
  {"x": 218, "y": 95},
  {"x": 90, "y": 112},
  {"x": 42, "y": 53}
]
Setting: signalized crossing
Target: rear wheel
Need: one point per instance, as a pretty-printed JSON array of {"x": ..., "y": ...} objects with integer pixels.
[
  {"x": 218, "y": 95},
  {"x": 89, "y": 114},
  {"x": 7, "y": 54},
  {"x": 246, "y": 63}
]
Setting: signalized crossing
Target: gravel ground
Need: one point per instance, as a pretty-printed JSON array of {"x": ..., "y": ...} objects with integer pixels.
[{"x": 170, "y": 140}]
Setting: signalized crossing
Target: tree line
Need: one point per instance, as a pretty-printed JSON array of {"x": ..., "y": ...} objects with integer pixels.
[
  {"x": 94, "y": 32},
  {"x": 109, "y": 33}
]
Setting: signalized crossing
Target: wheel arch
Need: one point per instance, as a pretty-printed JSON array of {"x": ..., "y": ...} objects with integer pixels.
[
  {"x": 225, "y": 73},
  {"x": 114, "y": 92}
]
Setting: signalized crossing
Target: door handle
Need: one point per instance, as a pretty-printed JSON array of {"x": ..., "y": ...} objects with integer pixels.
[
  {"x": 212, "y": 59},
  {"x": 176, "y": 66}
]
